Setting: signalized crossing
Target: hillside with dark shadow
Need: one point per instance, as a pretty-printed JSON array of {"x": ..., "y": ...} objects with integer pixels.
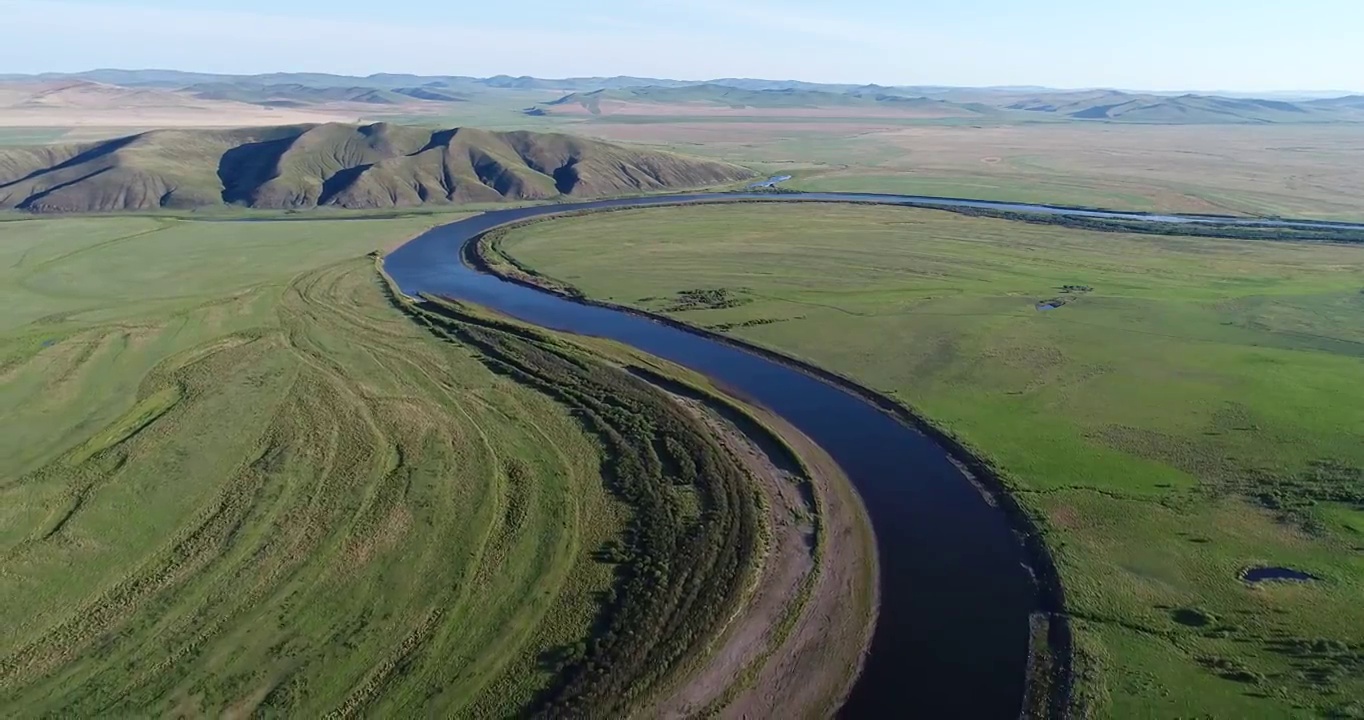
[{"x": 364, "y": 166}]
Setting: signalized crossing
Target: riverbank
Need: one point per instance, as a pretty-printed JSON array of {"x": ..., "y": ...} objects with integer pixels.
[
  {"x": 1050, "y": 666},
  {"x": 796, "y": 642}
]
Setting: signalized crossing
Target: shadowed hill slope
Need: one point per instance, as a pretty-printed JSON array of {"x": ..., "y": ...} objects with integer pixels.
[{"x": 369, "y": 166}]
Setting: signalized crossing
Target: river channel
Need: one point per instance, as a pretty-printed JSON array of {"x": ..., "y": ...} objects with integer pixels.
[{"x": 955, "y": 590}]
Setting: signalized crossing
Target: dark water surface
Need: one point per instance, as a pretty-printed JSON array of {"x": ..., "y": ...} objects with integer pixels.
[
  {"x": 1263, "y": 574},
  {"x": 952, "y": 636}
]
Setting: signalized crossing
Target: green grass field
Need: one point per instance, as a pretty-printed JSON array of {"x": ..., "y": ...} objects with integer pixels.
[
  {"x": 240, "y": 477},
  {"x": 1190, "y": 411},
  {"x": 233, "y": 482}
]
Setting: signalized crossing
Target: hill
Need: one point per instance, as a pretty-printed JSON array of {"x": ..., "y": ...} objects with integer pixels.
[
  {"x": 79, "y": 102},
  {"x": 369, "y": 166},
  {"x": 628, "y": 95},
  {"x": 176, "y": 79},
  {"x": 1120, "y": 106},
  {"x": 1349, "y": 102},
  {"x": 295, "y": 94},
  {"x": 711, "y": 98}
]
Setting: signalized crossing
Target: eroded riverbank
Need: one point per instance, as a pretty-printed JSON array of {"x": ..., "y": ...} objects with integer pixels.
[{"x": 795, "y": 640}]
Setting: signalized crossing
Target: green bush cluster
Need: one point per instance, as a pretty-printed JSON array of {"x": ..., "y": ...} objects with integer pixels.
[
  {"x": 1294, "y": 497},
  {"x": 705, "y": 299}
]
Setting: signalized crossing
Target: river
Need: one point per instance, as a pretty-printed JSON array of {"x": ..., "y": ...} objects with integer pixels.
[{"x": 956, "y": 594}]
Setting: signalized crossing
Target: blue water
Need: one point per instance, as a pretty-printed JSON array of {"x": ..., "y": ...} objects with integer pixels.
[
  {"x": 955, "y": 596},
  {"x": 1263, "y": 574}
]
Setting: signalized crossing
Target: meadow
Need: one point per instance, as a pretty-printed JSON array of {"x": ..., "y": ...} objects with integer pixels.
[
  {"x": 235, "y": 477},
  {"x": 242, "y": 476},
  {"x": 1187, "y": 409},
  {"x": 236, "y": 483},
  {"x": 1312, "y": 171}
]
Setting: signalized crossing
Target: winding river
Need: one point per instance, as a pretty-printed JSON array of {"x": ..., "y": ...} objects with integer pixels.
[{"x": 955, "y": 590}]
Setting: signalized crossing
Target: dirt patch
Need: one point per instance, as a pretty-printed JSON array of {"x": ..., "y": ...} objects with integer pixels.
[
  {"x": 798, "y": 646},
  {"x": 814, "y": 670},
  {"x": 1064, "y": 517}
]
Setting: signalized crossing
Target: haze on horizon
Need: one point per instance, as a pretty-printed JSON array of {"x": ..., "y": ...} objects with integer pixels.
[{"x": 1203, "y": 45}]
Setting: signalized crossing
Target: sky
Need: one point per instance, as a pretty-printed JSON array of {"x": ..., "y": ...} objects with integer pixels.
[{"x": 1241, "y": 45}]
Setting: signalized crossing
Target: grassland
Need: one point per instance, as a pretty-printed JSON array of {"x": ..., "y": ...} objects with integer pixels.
[
  {"x": 1189, "y": 411},
  {"x": 1312, "y": 171},
  {"x": 877, "y": 141},
  {"x": 231, "y": 483},
  {"x": 240, "y": 477}
]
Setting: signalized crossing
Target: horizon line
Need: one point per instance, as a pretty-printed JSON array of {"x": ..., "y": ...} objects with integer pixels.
[{"x": 1343, "y": 92}]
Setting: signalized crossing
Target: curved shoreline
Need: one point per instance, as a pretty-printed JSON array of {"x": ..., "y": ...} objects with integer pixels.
[
  {"x": 984, "y": 476},
  {"x": 790, "y": 664}
]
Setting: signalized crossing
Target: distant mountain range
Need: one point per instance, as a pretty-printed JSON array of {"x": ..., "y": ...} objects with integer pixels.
[
  {"x": 1128, "y": 107},
  {"x": 176, "y": 79},
  {"x": 295, "y": 94},
  {"x": 625, "y": 95},
  {"x": 623, "y": 100},
  {"x": 996, "y": 104},
  {"x": 180, "y": 79},
  {"x": 353, "y": 166}
]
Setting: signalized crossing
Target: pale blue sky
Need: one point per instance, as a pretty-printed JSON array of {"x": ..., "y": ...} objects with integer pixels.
[{"x": 1252, "y": 45}]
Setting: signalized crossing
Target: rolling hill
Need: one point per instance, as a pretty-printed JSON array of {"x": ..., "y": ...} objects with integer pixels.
[
  {"x": 176, "y": 79},
  {"x": 1018, "y": 104},
  {"x": 722, "y": 97},
  {"x": 352, "y": 166},
  {"x": 1348, "y": 102},
  {"x": 293, "y": 95},
  {"x": 626, "y": 95},
  {"x": 1113, "y": 105},
  {"x": 75, "y": 103}
]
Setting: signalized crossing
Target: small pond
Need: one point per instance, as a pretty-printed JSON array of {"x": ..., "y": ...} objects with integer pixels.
[{"x": 1267, "y": 574}]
